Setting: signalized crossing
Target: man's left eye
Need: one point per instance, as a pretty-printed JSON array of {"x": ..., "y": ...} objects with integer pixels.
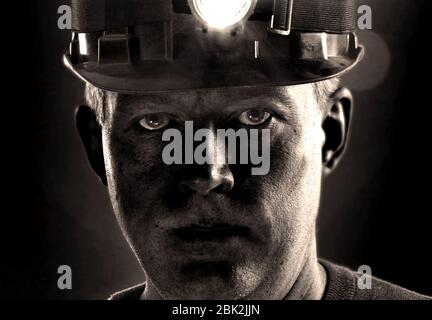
[{"x": 254, "y": 117}]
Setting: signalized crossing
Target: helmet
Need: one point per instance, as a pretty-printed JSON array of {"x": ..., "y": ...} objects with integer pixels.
[{"x": 149, "y": 46}]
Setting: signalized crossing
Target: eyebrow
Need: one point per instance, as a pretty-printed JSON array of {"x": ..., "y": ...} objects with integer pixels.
[
  {"x": 136, "y": 98},
  {"x": 280, "y": 100},
  {"x": 146, "y": 103}
]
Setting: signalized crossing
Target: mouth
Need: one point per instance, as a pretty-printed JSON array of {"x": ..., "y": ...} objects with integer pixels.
[
  {"x": 211, "y": 233},
  {"x": 212, "y": 242}
]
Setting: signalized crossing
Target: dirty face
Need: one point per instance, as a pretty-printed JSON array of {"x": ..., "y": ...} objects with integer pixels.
[{"x": 217, "y": 231}]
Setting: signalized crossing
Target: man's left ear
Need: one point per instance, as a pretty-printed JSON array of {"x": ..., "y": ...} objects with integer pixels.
[{"x": 335, "y": 126}]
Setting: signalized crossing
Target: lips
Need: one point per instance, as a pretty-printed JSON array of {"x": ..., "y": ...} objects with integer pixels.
[
  {"x": 211, "y": 233},
  {"x": 216, "y": 242}
]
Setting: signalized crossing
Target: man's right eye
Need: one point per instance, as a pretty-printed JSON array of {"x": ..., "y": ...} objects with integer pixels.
[{"x": 155, "y": 121}]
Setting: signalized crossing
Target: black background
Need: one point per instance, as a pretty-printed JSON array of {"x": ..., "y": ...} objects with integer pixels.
[{"x": 375, "y": 208}]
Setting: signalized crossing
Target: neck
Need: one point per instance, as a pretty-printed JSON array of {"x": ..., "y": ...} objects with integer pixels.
[{"x": 311, "y": 281}]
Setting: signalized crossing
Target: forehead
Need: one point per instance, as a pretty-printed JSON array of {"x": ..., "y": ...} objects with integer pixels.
[{"x": 217, "y": 100}]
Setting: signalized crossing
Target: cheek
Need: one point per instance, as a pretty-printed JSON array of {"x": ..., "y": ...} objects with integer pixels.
[
  {"x": 134, "y": 170},
  {"x": 294, "y": 183},
  {"x": 296, "y": 155}
]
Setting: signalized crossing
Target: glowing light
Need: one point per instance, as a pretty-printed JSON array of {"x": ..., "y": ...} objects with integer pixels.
[
  {"x": 82, "y": 44},
  {"x": 221, "y": 14}
]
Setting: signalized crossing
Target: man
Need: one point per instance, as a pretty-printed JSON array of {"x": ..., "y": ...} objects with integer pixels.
[{"x": 215, "y": 230}]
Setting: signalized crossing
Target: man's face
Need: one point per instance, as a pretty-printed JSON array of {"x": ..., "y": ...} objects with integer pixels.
[{"x": 245, "y": 234}]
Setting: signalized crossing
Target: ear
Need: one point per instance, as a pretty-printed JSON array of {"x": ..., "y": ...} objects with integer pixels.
[
  {"x": 91, "y": 136},
  {"x": 335, "y": 126}
]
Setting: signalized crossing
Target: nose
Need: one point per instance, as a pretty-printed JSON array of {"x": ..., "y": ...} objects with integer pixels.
[{"x": 219, "y": 178}]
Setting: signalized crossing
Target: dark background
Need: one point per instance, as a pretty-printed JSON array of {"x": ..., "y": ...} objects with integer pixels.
[{"x": 375, "y": 209}]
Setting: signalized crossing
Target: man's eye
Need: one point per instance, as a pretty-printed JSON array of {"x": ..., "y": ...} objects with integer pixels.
[
  {"x": 155, "y": 121},
  {"x": 254, "y": 117}
]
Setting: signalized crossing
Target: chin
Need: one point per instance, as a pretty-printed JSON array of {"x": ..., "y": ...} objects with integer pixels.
[
  {"x": 213, "y": 281},
  {"x": 210, "y": 289}
]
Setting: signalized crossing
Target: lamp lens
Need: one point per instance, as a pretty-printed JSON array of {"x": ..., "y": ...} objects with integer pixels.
[{"x": 222, "y": 13}]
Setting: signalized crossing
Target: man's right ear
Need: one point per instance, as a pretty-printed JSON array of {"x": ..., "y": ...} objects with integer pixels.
[{"x": 91, "y": 136}]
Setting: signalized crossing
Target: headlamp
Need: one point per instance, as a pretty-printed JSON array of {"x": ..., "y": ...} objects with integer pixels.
[{"x": 221, "y": 14}]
